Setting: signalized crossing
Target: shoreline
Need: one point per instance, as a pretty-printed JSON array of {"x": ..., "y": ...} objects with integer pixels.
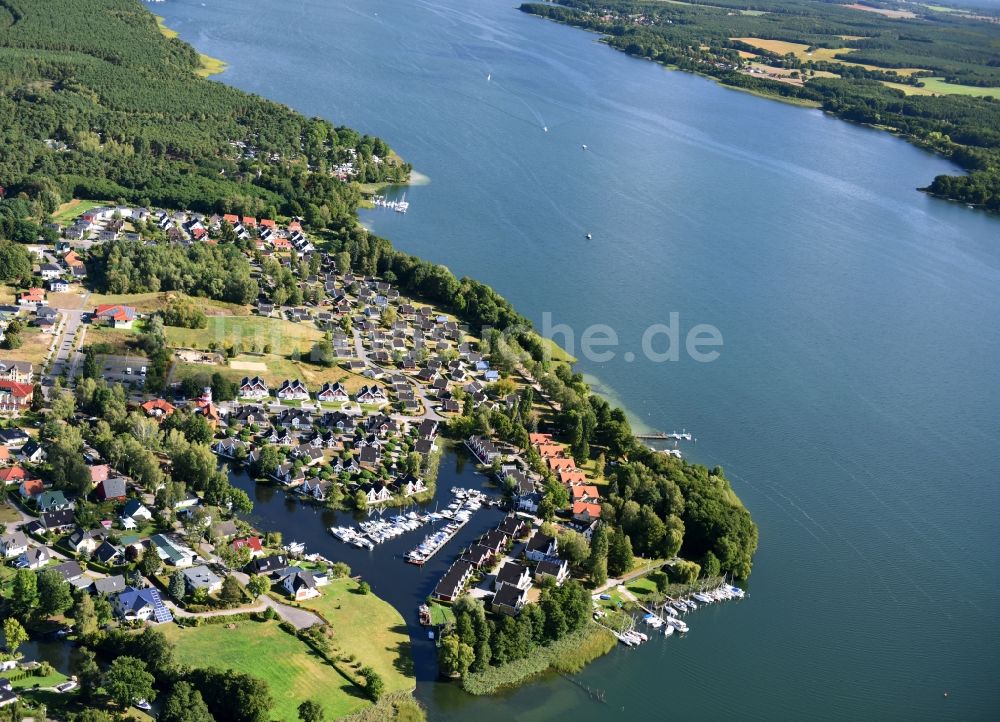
[{"x": 209, "y": 66}]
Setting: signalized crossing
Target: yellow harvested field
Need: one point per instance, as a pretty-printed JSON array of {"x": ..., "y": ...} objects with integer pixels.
[
  {"x": 248, "y": 365},
  {"x": 745, "y": 54},
  {"x": 896, "y": 14},
  {"x": 801, "y": 51}
]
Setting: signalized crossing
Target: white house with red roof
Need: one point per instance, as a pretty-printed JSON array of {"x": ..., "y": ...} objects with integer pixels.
[{"x": 115, "y": 315}]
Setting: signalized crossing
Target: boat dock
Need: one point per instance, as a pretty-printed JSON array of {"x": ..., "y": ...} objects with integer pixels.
[{"x": 663, "y": 435}]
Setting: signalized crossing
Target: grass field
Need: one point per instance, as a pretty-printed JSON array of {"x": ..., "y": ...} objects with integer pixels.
[
  {"x": 940, "y": 87},
  {"x": 118, "y": 340},
  {"x": 68, "y": 300},
  {"x": 67, "y": 212},
  {"x": 293, "y": 671},
  {"x": 801, "y": 51},
  {"x": 157, "y": 301},
  {"x": 34, "y": 346},
  {"x": 283, "y": 336},
  {"x": 370, "y": 629},
  {"x": 8, "y": 514}
]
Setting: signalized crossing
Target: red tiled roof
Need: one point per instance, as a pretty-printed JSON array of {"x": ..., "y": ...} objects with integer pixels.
[
  {"x": 165, "y": 407},
  {"x": 268, "y": 223},
  {"x": 580, "y": 507},
  {"x": 249, "y": 221},
  {"x": 99, "y": 473},
  {"x": 231, "y": 218},
  {"x": 18, "y": 391},
  {"x": 251, "y": 541},
  {"x": 14, "y": 473},
  {"x": 33, "y": 294},
  {"x": 33, "y": 486}
]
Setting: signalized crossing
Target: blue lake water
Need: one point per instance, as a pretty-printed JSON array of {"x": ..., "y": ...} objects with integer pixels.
[{"x": 854, "y": 403}]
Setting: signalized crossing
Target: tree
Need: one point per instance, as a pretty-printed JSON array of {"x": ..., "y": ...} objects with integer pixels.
[
  {"x": 258, "y": 585},
  {"x": 178, "y": 587},
  {"x": 85, "y": 616},
  {"x": 15, "y": 263},
  {"x": 364, "y": 588},
  {"x": 87, "y": 672},
  {"x": 620, "y": 558},
  {"x": 14, "y": 634},
  {"x": 24, "y": 593},
  {"x": 598, "y": 562},
  {"x": 233, "y": 696},
  {"x": 37, "y": 398},
  {"x": 374, "y": 686},
  {"x": 185, "y": 704},
  {"x": 232, "y": 591},
  {"x": 311, "y": 711},
  {"x": 127, "y": 681},
  {"x": 454, "y": 656},
  {"x": 150, "y": 563},
  {"x": 54, "y": 593}
]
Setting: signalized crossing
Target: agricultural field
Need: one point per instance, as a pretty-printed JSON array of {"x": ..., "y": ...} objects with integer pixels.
[{"x": 801, "y": 51}]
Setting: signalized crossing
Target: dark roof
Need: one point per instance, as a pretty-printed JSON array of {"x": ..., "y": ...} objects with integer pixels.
[
  {"x": 68, "y": 570},
  {"x": 62, "y": 517},
  {"x": 540, "y": 543},
  {"x": 267, "y": 565},
  {"x": 550, "y": 566},
  {"x": 509, "y": 596},
  {"x": 510, "y": 573}
]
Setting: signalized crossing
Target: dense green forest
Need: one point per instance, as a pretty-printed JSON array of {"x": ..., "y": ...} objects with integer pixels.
[
  {"x": 961, "y": 48},
  {"x": 97, "y": 103}
]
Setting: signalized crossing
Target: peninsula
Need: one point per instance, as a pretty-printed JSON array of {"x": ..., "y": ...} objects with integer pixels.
[{"x": 185, "y": 284}]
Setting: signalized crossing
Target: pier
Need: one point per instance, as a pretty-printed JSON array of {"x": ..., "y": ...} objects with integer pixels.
[{"x": 664, "y": 436}]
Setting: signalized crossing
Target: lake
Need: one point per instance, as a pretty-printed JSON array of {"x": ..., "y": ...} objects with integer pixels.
[{"x": 853, "y": 403}]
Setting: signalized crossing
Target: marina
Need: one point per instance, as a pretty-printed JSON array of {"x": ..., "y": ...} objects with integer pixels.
[
  {"x": 400, "y": 206},
  {"x": 379, "y": 530},
  {"x": 460, "y": 511}
]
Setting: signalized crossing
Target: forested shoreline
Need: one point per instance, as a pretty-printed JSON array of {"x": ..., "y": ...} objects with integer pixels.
[{"x": 705, "y": 38}]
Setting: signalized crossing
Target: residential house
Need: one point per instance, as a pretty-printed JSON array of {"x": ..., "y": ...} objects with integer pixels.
[
  {"x": 33, "y": 452},
  {"x": 85, "y": 541},
  {"x": 228, "y": 447},
  {"x": 115, "y": 315},
  {"x": 332, "y": 392},
  {"x": 484, "y": 449},
  {"x": 513, "y": 574},
  {"x": 267, "y": 565},
  {"x": 318, "y": 489},
  {"x": 57, "y": 521},
  {"x": 171, "y": 551},
  {"x": 158, "y": 408},
  {"x": 254, "y": 388},
  {"x": 453, "y": 582},
  {"x": 249, "y": 542},
  {"x": 509, "y": 600},
  {"x": 112, "y": 488},
  {"x": 70, "y": 571},
  {"x": 201, "y": 577},
  {"x": 299, "y": 583},
  {"x": 13, "y": 544},
  {"x": 135, "y": 511},
  {"x": 109, "y": 586},
  {"x": 58, "y": 285},
  {"x": 48, "y": 271},
  {"x": 586, "y": 511},
  {"x": 33, "y": 558},
  {"x": 32, "y": 297},
  {"x": 371, "y": 395},
  {"x": 53, "y": 500},
  {"x": 30, "y": 488},
  {"x": 107, "y": 553},
  {"x": 20, "y": 372},
  {"x": 541, "y": 546},
  {"x": 293, "y": 390},
  {"x": 15, "y": 398},
  {"x": 143, "y": 605},
  {"x": 557, "y": 569}
]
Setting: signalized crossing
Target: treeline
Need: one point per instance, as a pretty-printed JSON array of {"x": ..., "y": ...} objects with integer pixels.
[
  {"x": 119, "y": 114},
  {"x": 476, "y": 303},
  {"x": 219, "y": 271},
  {"x": 476, "y": 642},
  {"x": 699, "y": 39}
]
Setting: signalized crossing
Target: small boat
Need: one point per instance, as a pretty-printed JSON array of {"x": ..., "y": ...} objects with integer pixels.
[
  {"x": 589, "y": 236},
  {"x": 668, "y": 629},
  {"x": 489, "y": 77},
  {"x": 545, "y": 128},
  {"x": 584, "y": 146}
]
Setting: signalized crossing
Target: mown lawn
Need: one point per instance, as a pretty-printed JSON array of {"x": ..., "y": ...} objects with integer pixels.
[
  {"x": 370, "y": 629},
  {"x": 67, "y": 212},
  {"x": 293, "y": 671}
]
